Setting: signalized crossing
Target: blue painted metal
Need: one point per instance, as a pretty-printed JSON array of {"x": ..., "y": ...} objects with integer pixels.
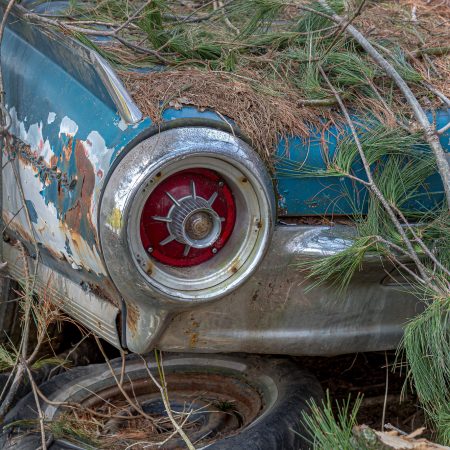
[
  {"x": 310, "y": 195},
  {"x": 55, "y": 95}
]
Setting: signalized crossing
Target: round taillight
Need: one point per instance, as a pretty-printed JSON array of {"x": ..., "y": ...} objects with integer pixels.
[
  {"x": 188, "y": 218},
  {"x": 185, "y": 218}
]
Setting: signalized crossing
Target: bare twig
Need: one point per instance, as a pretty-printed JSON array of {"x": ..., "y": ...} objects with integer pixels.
[
  {"x": 133, "y": 17},
  {"x": 444, "y": 129},
  {"x": 343, "y": 28},
  {"x": 437, "y": 93},
  {"x": 163, "y": 389},
  {"x": 143, "y": 50},
  {"x": 218, "y": 4},
  {"x": 434, "y": 51},
  {"x": 2, "y": 31},
  {"x": 383, "y": 416},
  {"x": 134, "y": 405},
  {"x": 417, "y": 238},
  {"x": 38, "y": 405},
  {"x": 5, "y": 119}
]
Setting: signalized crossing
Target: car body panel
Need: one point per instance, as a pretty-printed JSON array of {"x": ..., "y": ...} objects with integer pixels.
[{"x": 72, "y": 121}]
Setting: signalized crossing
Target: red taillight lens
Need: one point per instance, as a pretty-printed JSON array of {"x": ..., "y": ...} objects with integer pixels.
[{"x": 188, "y": 218}]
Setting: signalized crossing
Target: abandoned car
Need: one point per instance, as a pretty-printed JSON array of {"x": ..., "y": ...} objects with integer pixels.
[{"x": 176, "y": 235}]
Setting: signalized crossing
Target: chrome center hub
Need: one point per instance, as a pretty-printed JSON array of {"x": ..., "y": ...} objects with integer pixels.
[
  {"x": 199, "y": 225},
  {"x": 192, "y": 221}
]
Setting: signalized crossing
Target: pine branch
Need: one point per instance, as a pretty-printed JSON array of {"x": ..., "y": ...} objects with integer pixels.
[
  {"x": 429, "y": 130},
  {"x": 372, "y": 185}
]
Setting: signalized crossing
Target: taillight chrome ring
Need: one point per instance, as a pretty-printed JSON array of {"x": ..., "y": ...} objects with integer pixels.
[{"x": 186, "y": 217}]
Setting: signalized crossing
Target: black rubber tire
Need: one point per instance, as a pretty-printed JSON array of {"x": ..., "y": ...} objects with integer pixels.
[{"x": 287, "y": 389}]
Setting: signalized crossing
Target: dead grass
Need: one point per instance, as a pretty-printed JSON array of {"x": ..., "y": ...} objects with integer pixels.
[
  {"x": 262, "y": 117},
  {"x": 414, "y": 25},
  {"x": 266, "y": 109}
]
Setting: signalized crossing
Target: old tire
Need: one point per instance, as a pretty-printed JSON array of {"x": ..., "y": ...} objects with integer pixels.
[{"x": 267, "y": 397}]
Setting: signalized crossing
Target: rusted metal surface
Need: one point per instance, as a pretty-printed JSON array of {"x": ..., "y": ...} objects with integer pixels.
[
  {"x": 275, "y": 313},
  {"x": 92, "y": 311},
  {"x": 65, "y": 133},
  {"x": 68, "y": 134}
]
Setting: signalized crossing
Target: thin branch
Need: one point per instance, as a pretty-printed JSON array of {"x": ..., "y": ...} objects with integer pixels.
[
  {"x": 343, "y": 28},
  {"x": 434, "y": 51},
  {"x": 133, "y": 17},
  {"x": 424, "y": 247},
  {"x": 38, "y": 405},
  {"x": 135, "y": 406},
  {"x": 372, "y": 186},
  {"x": 420, "y": 115},
  {"x": 437, "y": 93},
  {"x": 165, "y": 399},
  {"x": 386, "y": 390},
  {"x": 444, "y": 129},
  {"x": 143, "y": 50},
  {"x": 218, "y": 4},
  {"x": 4, "y": 113}
]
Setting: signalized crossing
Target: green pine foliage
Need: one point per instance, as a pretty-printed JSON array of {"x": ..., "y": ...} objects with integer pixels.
[{"x": 329, "y": 430}]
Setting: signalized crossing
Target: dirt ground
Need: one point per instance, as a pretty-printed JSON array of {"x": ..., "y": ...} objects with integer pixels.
[{"x": 366, "y": 373}]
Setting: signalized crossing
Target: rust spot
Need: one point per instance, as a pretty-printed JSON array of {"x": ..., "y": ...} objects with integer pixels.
[
  {"x": 244, "y": 180},
  {"x": 158, "y": 174},
  {"x": 132, "y": 318},
  {"x": 193, "y": 340},
  {"x": 81, "y": 211},
  {"x": 149, "y": 268},
  {"x": 234, "y": 269},
  {"x": 16, "y": 227},
  {"x": 67, "y": 149},
  {"x": 102, "y": 293},
  {"x": 259, "y": 224}
]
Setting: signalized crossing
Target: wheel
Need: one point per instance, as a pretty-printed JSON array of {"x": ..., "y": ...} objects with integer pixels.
[{"x": 235, "y": 402}]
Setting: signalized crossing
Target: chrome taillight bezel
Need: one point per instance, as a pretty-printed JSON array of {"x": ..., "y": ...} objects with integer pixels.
[{"x": 132, "y": 269}]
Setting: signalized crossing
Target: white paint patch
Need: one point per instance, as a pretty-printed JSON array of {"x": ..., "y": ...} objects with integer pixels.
[
  {"x": 99, "y": 155},
  {"x": 97, "y": 151},
  {"x": 51, "y": 117},
  {"x": 122, "y": 125},
  {"x": 33, "y": 136},
  {"x": 49, "y": 230},
  {"x": 68, "y": 127}
]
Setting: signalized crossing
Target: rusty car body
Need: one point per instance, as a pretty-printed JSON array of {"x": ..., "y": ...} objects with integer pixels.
[{"x": 86, "y": 162}]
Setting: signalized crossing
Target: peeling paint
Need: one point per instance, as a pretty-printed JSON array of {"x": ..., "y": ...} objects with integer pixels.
[
  {"x": 51, "y": 117},
  {"x": 62, "y": 218},
  {"x": 32, "y": 136},
  {"x": 122, "y": 125},
  {"x": 68, "y": 127}
]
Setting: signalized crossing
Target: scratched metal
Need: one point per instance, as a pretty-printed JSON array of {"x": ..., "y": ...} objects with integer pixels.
[
  {"x": 70, "y": 126},
  {"x": 95, "y": 313},
  {"x": 66, "y": 132},
  {"x": 275, "y": 313}
]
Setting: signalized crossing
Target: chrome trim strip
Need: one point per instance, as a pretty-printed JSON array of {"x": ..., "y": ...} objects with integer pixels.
[
  {"x": 128, "y": 110},
  {"x": 93, "y": 312},
  {"x": 277, "y": 311}
]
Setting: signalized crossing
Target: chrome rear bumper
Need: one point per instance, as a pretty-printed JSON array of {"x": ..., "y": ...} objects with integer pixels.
[{"x": 275, "y": 313}]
